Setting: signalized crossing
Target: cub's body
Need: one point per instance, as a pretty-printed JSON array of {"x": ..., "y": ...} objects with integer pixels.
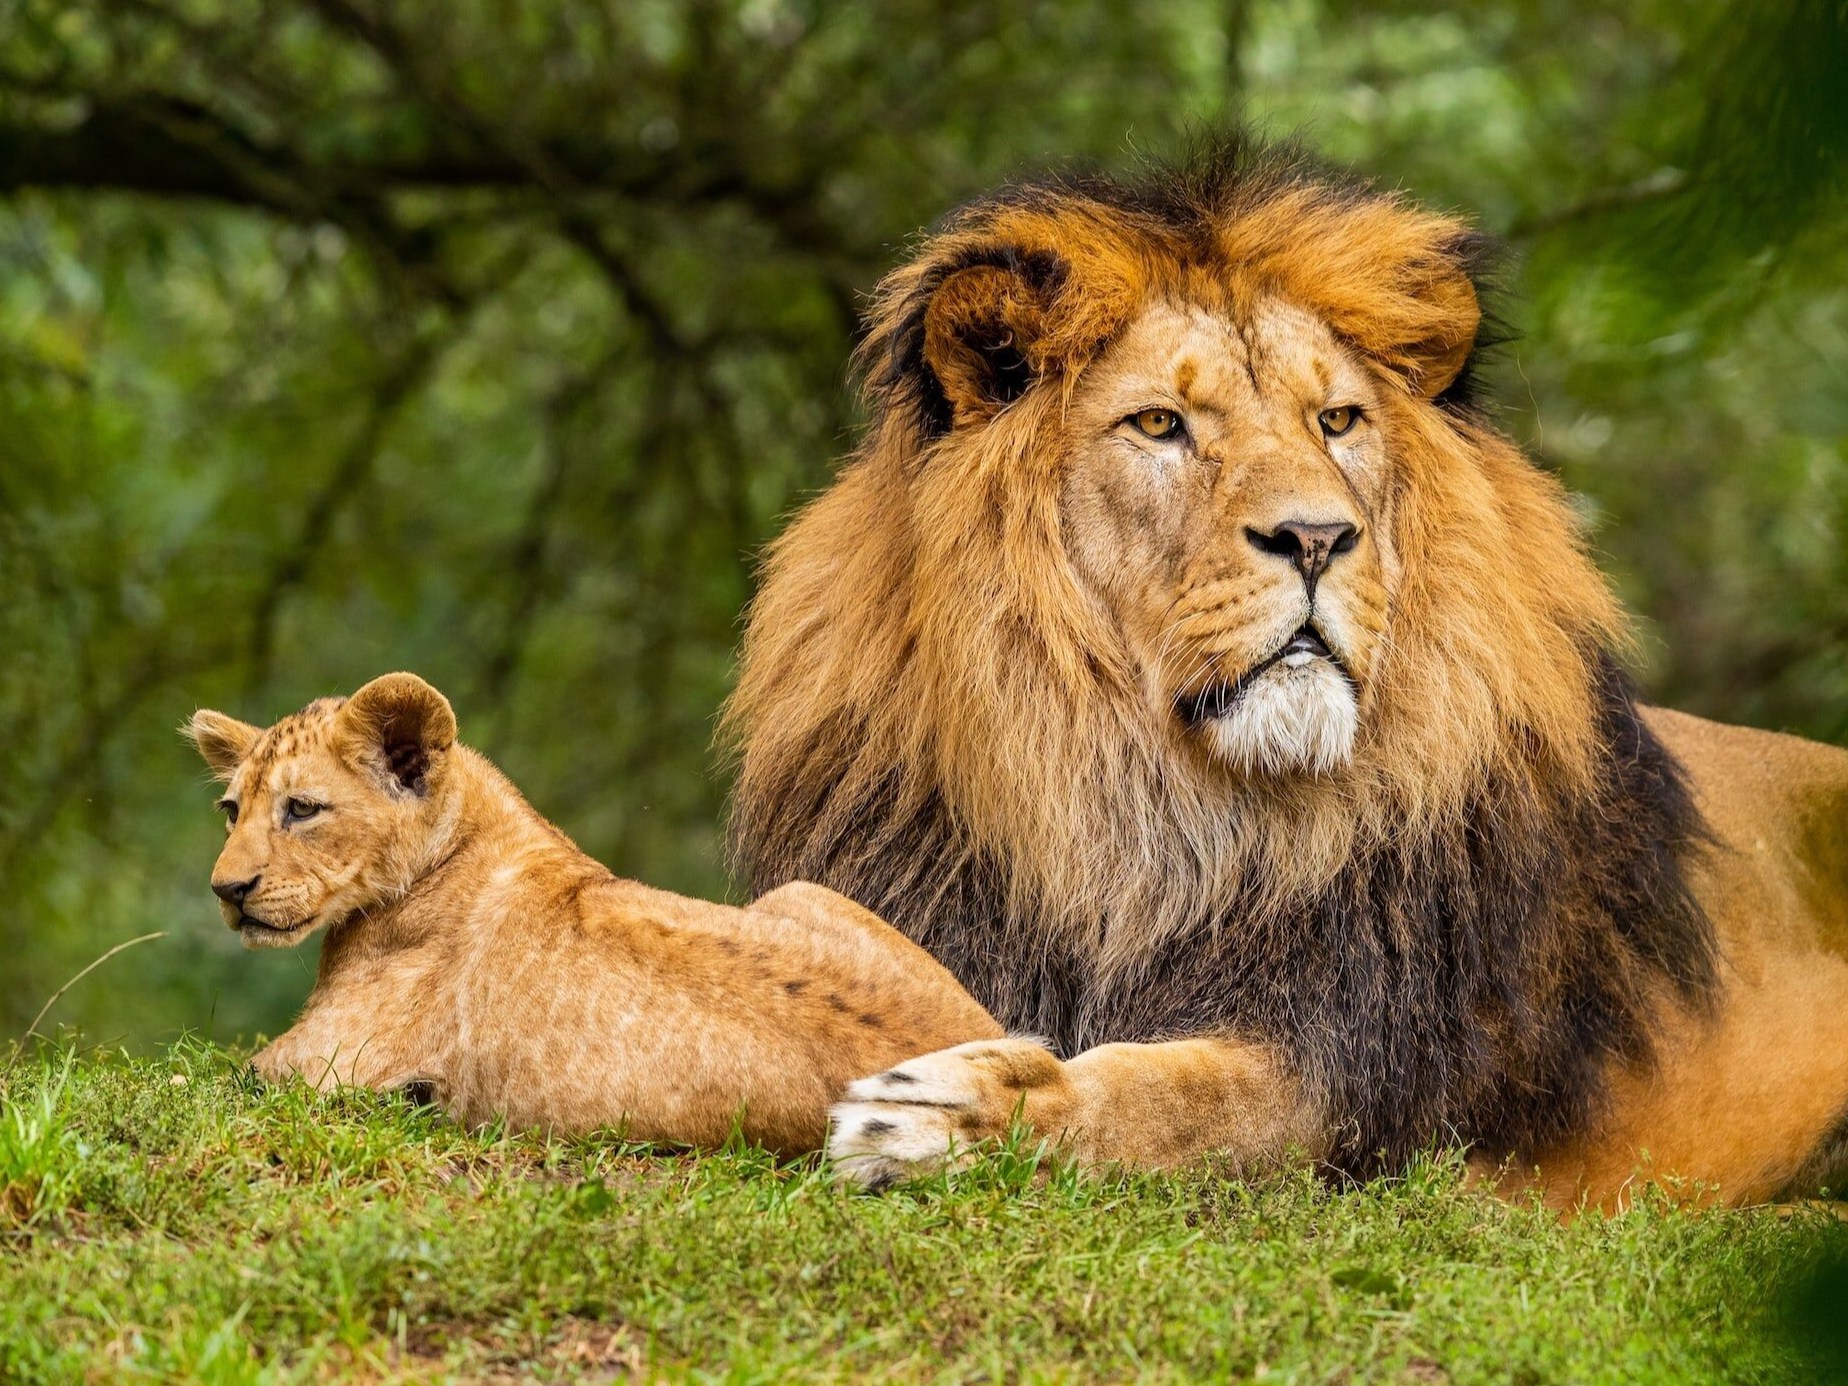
[{"x": 475, "y": 952}]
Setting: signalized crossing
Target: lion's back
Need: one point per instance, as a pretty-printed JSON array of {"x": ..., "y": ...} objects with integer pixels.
[{"x": 1778, "y": 804}]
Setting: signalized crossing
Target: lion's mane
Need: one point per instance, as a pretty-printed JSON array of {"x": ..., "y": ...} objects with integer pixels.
[{"x": 1453, "y": 935}]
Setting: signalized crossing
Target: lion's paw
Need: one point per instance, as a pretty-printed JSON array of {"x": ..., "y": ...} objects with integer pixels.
[{"x": 928, "y": 1112}]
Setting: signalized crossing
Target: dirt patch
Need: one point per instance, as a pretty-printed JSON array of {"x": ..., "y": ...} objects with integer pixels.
[{"x": 576, "y": 1349}]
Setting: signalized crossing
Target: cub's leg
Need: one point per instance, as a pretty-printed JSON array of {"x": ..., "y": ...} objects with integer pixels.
[
  {"x": 345, "y": 1037},
  {"x": 1148, "y": 1105}
]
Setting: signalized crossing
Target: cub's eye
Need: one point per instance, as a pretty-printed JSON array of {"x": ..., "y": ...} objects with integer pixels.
[
  {"x": 1338, "y": 420},
  {"x": 228, "y": 807},
  {"x": 298, "y": 810},
  {"x": 1159, "y": 424}
]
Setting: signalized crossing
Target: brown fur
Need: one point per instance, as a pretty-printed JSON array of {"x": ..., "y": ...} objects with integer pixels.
[
  {"x": 1489, "y": 918},
  {"x": 474, "y": 951}
]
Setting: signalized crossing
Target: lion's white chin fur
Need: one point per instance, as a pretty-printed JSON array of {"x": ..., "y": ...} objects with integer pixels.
[{"x": 1290, "y": 721}]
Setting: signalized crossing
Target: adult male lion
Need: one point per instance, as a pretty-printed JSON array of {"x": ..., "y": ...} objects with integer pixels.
[{"x": 1186, "y": 663}]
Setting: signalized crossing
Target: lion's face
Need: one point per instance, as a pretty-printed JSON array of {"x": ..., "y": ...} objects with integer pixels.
[
  {"x": 329, "y": 812},
  {"x": 1224, "y": 497}
]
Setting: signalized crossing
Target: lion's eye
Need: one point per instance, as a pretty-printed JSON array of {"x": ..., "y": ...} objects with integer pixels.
[
  {"x": 298, "y": 810},
  {"x": 1338, "y": 420},
  {"x": 1159, "y": 424},
  {"x": 228, "y": 807}
]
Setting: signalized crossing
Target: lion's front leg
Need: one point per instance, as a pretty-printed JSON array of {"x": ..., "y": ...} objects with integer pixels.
[
  {"x": 912, "y": 1118},
  {"x": 1147, "y": 1105}
]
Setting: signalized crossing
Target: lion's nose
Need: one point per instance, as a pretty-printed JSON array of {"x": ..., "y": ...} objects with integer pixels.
[
  {"x": 233, "y": 892},
  {"x": 1309, "y": 547}
]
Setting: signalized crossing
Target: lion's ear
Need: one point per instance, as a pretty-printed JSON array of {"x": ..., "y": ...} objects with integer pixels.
[
  {"x": 981, "y": 329},
  {"x": 223, "y": 741},
  {"x": 1434, "y": 361},
  {"x": 400, "y": 724},
  {"x": 963, "y": 331},
  {"x": 1397, "y": 281}
]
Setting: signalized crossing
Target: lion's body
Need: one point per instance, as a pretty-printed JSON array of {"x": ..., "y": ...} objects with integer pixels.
[
  {"x": 475, "y": 952},
  {"x": 1752, "y": 1099},
  {"x": 1186, "y": 664}
]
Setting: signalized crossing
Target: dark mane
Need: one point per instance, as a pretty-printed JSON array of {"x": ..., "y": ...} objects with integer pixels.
[{"x": 1471, "y": 987}]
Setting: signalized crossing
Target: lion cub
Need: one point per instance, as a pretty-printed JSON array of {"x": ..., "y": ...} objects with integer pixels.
[{"x": 473, "y": 949}]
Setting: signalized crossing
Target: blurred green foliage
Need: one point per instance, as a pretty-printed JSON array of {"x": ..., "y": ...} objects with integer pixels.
[{"x": 491, "y": 338}]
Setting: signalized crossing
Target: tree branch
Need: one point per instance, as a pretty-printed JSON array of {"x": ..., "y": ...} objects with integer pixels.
[
  {"x": 1658, "y": 186},
  {"x": 350, "y": 471}
]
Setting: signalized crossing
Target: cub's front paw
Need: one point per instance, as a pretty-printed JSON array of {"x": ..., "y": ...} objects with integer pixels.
[
  {"x": 271, "y": 1066},
  {"x": 918, "y": 1116}
]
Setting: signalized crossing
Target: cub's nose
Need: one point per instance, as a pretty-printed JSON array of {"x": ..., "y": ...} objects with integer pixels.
[
  {"x": 233, "y": 892},
  {"x": 1309, "y": 547}
]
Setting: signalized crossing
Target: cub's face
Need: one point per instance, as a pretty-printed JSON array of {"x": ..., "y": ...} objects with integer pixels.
[
  {"x": 1224, "y": 499},
  {"x": 328, "y": 813}
]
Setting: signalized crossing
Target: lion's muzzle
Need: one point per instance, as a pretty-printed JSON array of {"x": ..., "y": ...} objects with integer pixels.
[{"x": 1296, "y": 711}]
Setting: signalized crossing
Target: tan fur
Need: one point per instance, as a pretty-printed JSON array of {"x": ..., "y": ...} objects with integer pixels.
[
  {"x": 1004, "y": 612},
  {"x": 474, "y": 949},
  {"x": 1740, "y": 1104}
]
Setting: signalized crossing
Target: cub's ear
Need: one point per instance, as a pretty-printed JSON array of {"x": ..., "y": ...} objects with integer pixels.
[
  {"x": 401, "y": 726},
  {"x": 965, "y": 333},
  {"x": 223, "y": 741}
]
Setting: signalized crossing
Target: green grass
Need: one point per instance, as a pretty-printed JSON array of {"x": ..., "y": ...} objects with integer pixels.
[{"x": 169, "y": 1219}]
